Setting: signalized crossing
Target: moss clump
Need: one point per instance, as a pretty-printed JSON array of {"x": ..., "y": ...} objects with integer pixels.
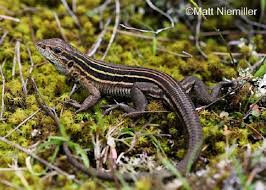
[{"x": 140, "y": 140}]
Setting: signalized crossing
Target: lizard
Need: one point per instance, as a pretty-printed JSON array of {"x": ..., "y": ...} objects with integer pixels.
[{"x": 136, "y": 83}]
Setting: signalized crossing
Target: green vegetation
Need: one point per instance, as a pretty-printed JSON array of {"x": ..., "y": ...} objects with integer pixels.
[{"x": 234, "y": 127}]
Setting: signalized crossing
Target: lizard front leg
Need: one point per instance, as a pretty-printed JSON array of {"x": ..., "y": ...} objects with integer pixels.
[
  {"x": 91, "y": 100},
  {"x": 200, "y": 93}
]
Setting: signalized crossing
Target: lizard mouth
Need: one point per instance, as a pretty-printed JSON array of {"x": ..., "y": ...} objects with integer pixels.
[{"x": 46, "y": 52}]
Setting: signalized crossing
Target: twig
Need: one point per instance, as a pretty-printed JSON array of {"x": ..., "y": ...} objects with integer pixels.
[
  {"x": 152, "y": 31},
  {"x": 141, "y": 35},
  {"x": 253, "y": 173},
  {"x": 22, "y": 123},
  {"x": 227, "y": 47},
  {"x": 247, "y": 113},
  {"x": 9, "y": 184},
  {"x": 71, "y": 13},
  {"x": 19, "y": 174},
  {"x": 197, "y": 37},
  {"x": 246, "y": 19},
  {"x": 3, "y": 37},
  {"x": 20, "y": 67},
  {"x": 41, "y": 103},
  {"x": 3, "y": 92},
  {"x": 49, "y": 175},
  {"x": 174, "y": 53},
  {"x": 255, "y": 131},
  {"x": 6, "y": 10},
  {"x": 228, "y": 32},
  {"x": 14, "y": 66},
  {"x": 74, "y": 87},
  {"x": 102, "y": 7},
  {"x": 117, "y": 20},
  {"x": 59, "y": 26},
  {"x": 164, "y": 14},
  {"x": 12, "y": 169},
  {"x": 9, "y": 18},
  {"x": 74, "y": 5},
  {"x": 31, "y": 65},
  {"x": 41, "y": 160},
  {"x": 26, "y": 8},
  {"x": 234, "y": 54},
  {"x": 247, "y": 156},
  {"x": 96, "y": 45},
  {"x": 254, "y": 67},
  {"x": 100, "y": 10}
]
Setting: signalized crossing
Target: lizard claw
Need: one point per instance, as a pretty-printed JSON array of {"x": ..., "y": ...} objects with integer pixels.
[
  {"x": 110, "y": 108},
  {"x": 73, "y": 103}
]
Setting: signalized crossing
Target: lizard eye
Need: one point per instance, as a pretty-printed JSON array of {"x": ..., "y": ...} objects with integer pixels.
[
  {"x": 56, "y": 50},
  {"x": 75, "y": 75},
  {"x": 70, "y": 63}
]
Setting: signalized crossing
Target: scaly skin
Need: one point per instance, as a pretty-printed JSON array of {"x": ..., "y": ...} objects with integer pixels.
[{"x": 101, "y": 78}]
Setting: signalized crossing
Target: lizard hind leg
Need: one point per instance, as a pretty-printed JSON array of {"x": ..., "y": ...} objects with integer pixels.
[
  {"x": 137, "y": 94},
  {"x": 200, "y": 93}
]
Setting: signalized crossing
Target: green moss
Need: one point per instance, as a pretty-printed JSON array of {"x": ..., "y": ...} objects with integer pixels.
[
  {"x": 89, "y": 185},
  {"x": 83, "y": 128},
  {"x": 23, "y": 27},
  {"x": 144, "y": 184},
  {"x": 220, "y": 146},
  {"x": 18, "y": 116}
]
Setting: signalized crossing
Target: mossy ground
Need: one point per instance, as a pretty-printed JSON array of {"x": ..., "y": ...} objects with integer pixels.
[{"x": 233, "y": 128}]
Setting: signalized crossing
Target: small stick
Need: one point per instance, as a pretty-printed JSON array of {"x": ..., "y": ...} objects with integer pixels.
[
  {"x": 14, "y": 66},
  {"x": 96, "y": 45},
  {"x": 140, "y": 35},
  {"x": 9, "y": 184},
  {"x": 187, "y": 55},
  {"x": 74, "y": 5},
  {"x": 102, "y": 7},
  {"x": 152, "y": 31},
  {"x": 117, "y": 19},
  {"x": 41, "y": 103},
  {"x": 257, "y": 65},
  {"x": 228, "y": 32},
  {"x": 22, "y": 123},
  {"x": 3, "y": 92},
  {"x": 41, "y": 160},
  {"x": 59, "y": 26},
  {"x": 247, "y": 20},
  {"x": 162, "y": 13},
  {"x": 9, "y": 18},
  {"x": 6, "y": 10},
  {"x": 3, "y": 37},
  {"x": 197, "y": 37},
  {"x": 20, "y": 67},
  {"x": 19, "y": 174},
  {"x": 74, "y": 87},
  {"x": 12, "y": 169},
  {"x": 235, "y": 54},
  {"x": 253, "y": 173},
  {"x": 71, "y": 13},
  {"x": 31, "y": 65}
]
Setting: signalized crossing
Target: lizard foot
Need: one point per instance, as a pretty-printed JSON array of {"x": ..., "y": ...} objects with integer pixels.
[{"x": 73, "y": 103}]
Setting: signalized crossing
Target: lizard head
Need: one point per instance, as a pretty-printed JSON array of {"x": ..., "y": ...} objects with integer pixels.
[{"x": 58, "y": 52}]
